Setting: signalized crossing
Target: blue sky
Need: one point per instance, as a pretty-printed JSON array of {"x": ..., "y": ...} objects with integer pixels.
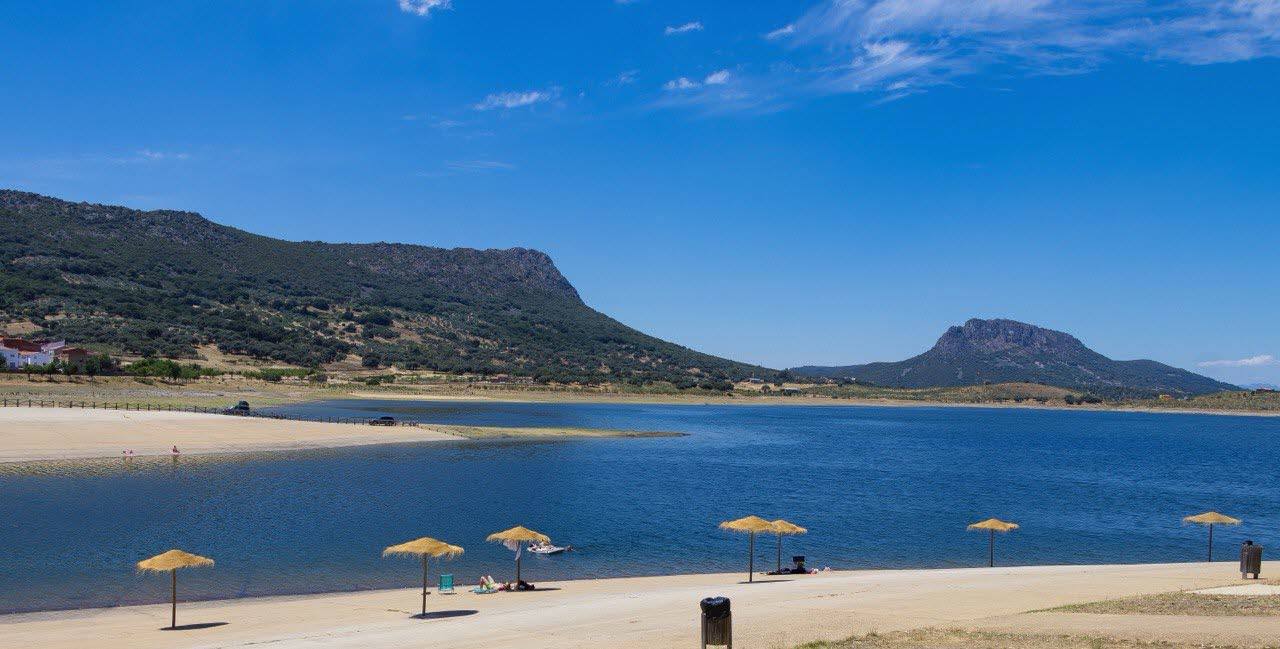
[{"x": 779, "y": 182}]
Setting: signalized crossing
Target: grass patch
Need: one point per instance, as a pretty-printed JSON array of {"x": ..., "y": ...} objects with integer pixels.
[
  {"x": 947, "y": 638},
  {"x": 1184, "y": 603}
]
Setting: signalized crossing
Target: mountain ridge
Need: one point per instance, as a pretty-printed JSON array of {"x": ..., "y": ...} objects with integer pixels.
[
  {"x": 1007, "y": 351},
  {"x": 166, "y": 281}
]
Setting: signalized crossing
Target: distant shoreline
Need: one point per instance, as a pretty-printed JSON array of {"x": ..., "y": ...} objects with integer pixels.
[
  {"x": 70, "y": 434},
  {"x": 222, "y": 392},
  {"x": 514, "y": 396}
]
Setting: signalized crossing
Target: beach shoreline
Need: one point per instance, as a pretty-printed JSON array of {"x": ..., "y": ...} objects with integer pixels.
[
  {"x": 36, "y": 434},
  {"x": 644, "y": 612}
]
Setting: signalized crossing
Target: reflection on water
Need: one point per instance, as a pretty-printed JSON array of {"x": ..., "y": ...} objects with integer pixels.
[{"x": 889, "y": 487}]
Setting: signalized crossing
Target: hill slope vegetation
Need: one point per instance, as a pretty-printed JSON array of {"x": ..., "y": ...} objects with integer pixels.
[
  {"x": 1006, "y": 351},
  {"x": 164, "y": 282}
]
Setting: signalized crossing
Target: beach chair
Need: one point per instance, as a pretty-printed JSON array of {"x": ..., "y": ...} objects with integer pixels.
[{"x": 446, "y": 585}]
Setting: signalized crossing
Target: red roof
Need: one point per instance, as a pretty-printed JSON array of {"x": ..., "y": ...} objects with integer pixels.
[{"x": 20, "y": 344}]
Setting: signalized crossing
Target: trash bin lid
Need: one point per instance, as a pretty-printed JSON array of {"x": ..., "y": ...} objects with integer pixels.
[{"x": 715, "y": 608}]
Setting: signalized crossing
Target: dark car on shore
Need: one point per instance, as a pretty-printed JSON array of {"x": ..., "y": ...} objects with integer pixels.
[
  {"x": 383, "y": 421},
  {"x": 241, "y": 408}
]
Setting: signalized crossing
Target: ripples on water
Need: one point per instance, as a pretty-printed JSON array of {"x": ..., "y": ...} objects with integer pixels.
[{"x": 877, "y": 487}]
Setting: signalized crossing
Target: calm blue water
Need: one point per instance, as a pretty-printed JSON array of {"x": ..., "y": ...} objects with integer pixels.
[{"x": 877, "y": 487}]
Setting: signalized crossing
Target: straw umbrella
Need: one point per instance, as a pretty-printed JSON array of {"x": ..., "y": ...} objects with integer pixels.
[
  {"x": 993, "y": 525},
  {"x": 517, "y": 535},
  {"x": 424, "y": 547},
  {"x": 781, "y": 527},
  {"x": 170, "y": 561},
  {"x": 751, "y": 525},
  {"x": 1211, "y": 519}
]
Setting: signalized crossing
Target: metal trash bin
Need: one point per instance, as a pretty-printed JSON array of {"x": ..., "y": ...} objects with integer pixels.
[
  {"x": 1250, "y": 560},
  {"x": 717, "y": 622}
]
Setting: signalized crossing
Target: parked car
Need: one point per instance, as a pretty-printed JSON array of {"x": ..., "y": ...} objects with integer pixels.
[
  {"x": 383, "y": 421},
  {"x": 241, "y": 408}
]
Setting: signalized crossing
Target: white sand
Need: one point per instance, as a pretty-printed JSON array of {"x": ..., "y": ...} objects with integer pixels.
[
  {"x": 658, "y": 612},
  {"x": 28, "y": 434}
]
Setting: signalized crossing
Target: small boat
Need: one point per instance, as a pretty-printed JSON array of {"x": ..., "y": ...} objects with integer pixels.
[{"x": 546, "y": 548}]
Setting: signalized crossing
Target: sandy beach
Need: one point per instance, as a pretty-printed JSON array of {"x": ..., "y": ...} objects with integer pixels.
[
  {"x": 31, "y": 434},
  {"x": 653, "y": 612}
]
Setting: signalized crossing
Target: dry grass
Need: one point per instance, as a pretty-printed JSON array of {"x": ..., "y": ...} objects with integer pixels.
[
  {"x": 210, "y": 392},
  {"x": 946, "y": 639},
  {"x": 1184, "y": 604}
]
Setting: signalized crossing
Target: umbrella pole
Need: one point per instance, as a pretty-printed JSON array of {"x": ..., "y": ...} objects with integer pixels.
[
  {"x": 991, "y": 550},
  {"x": 517, "y": 567},
  {"x": 751, "y": 557},
  {"x": 424, "y": 585},
  {"x": 173, "y": 611},
  {"x": 779, "y": 552},
  {"x": 1211, "y": 542}
]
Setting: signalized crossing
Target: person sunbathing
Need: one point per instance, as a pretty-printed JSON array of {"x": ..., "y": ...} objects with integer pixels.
[{"x": 487, "y": 585}]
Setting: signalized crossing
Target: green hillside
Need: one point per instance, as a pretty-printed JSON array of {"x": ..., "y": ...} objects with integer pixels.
[{"x": 165, "y": 282}]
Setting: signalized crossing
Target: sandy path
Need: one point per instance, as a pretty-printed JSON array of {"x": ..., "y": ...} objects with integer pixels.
[
  {"x": 642, "y": 613},
  {"x": 28, "y": 434}
]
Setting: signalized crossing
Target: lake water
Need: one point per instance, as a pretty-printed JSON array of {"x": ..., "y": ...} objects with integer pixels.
[{"x": 877, "y": 487}]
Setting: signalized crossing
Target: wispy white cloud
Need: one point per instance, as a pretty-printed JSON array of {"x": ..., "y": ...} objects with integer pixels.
[
  {"x": 780, "y": 32},
  {"x": 145, "y": 155},
  {"x": 509, "y": 100},
  {"x": 1260, "y": 360},
  {"x": 721, "y": 91},
  {"x": 624, "y": 78},
  {"x": 718, "y": 78},
  {"x": 424, "y": 7},
  {"x": 694, "y": 26},
  {"x": 680, "y": 83},
  {"x": 457, "y": 167},
  {"x": 870, "y": 45}
]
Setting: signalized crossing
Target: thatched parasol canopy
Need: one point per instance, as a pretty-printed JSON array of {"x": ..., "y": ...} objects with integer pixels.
[
  {"x": 749, "y": 524},
  {"x": 994, "y": 525},
  {"x": 170, "y": 562},
  {"x": 787, "y": 527},
  {"x": 752, "y": 525},
  {"x": 781, "y": 527},
  {"x": 518, "y": 534},
  {"x": 1210, "y": 519},
  {"x": 425, "y": 547},
  {"x": 991, "y": 526}
]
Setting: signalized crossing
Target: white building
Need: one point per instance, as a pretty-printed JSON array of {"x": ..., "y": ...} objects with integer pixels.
[{"x": 18, "y": 353}]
